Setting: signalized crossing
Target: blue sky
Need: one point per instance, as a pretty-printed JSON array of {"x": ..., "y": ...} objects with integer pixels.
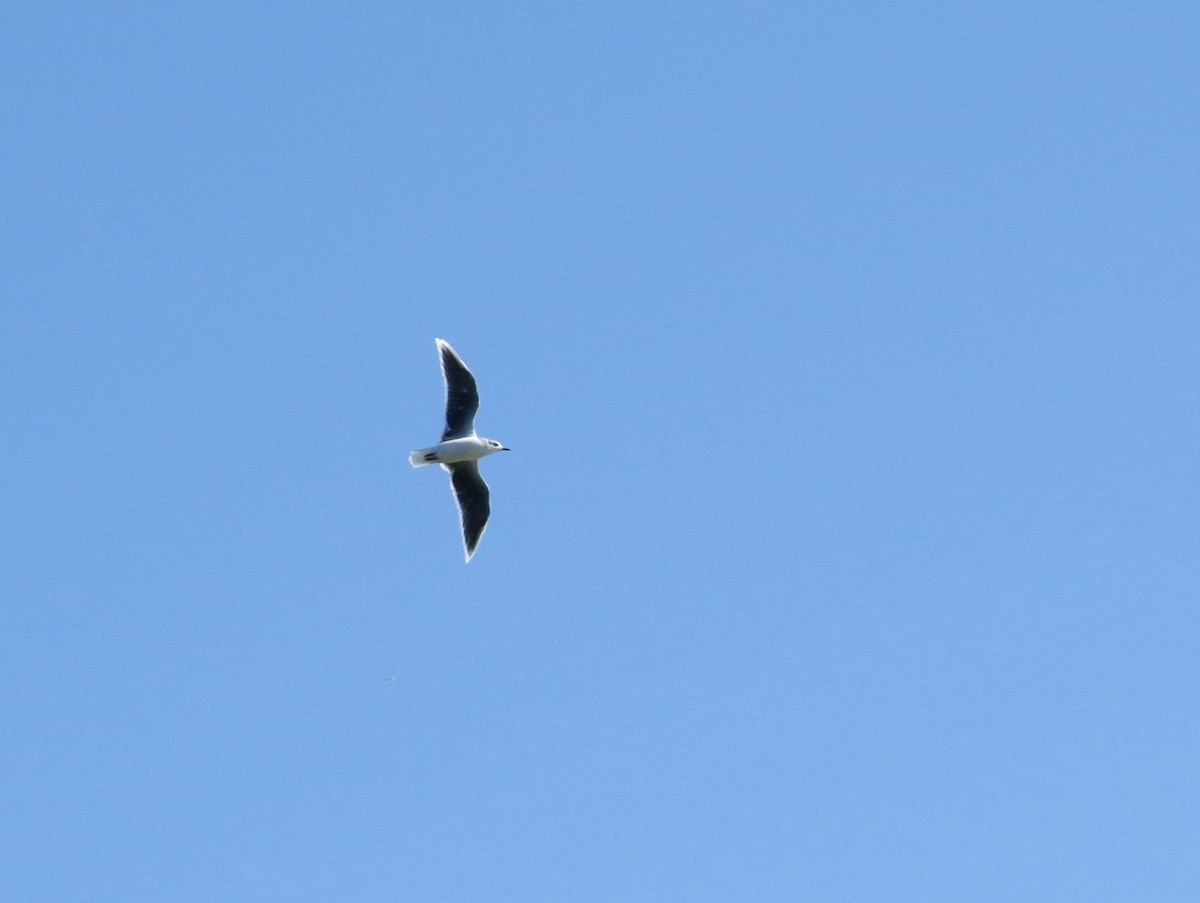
[{"x": 848, "y": 548}]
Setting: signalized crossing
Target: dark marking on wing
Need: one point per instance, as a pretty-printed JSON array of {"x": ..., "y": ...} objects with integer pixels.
[
  {"x": 474, "y": 503},
  {"x": 462, "y": 398}
]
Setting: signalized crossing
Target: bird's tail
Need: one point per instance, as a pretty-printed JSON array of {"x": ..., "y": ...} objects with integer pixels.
[{"x": 423, "y": 456}]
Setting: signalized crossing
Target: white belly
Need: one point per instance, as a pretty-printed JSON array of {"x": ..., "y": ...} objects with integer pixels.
[{"x": 468, "y": 448}]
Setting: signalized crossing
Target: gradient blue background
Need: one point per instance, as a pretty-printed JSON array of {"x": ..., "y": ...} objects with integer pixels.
[{"x": 848, "y": 548}]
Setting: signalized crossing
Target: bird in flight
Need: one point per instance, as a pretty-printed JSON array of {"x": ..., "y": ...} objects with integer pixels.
[{"x": 461, "y": 448}]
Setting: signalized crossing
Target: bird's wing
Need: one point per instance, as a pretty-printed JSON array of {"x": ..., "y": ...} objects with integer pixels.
[
  {"x": 474, "y": 505},
  {"x": 462, "y": 398}
]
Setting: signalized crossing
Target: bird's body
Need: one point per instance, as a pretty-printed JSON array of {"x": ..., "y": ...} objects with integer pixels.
[
  {"x": 455, "y": 451},
  {"x": 461, "y": 448}
]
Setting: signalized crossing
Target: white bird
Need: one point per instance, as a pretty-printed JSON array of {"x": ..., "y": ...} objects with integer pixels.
[{"x": 461, "y": 448}]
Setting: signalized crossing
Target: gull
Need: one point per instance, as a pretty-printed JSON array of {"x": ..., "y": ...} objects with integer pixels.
[{"x": 461, "y": 448}]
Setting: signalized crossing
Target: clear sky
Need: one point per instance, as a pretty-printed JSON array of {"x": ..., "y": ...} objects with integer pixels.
[{"x": 848, "y": 547}]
